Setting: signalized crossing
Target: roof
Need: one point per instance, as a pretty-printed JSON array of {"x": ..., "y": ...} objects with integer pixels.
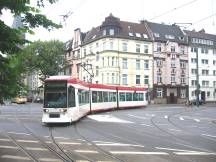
[
  {"x": 200, "y": 34},
  {"x": 167, "y": 30},
  {"x": 137, "y": 31}
]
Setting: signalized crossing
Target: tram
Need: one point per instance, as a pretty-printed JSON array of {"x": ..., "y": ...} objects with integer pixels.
[{"x": 68, "y": 99}]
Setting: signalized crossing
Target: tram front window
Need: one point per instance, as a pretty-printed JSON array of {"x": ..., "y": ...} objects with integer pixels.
[{"x": 55, "y": 100}]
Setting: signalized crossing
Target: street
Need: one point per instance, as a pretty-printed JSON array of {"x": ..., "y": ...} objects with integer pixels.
[{"x": 157, "y": 133}]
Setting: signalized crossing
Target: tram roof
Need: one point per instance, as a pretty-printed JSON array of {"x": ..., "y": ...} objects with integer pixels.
[{"x": 72, "y": 80}]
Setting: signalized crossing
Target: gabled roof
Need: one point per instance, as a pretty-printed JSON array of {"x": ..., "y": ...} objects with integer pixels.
[
  {"x": 200, "y": 34},
  {"x": 136, "y": 30},
  {"x": 167, "y": 30}
]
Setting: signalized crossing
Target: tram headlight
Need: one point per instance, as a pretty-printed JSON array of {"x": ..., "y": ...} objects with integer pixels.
[
  {"x": 63, "y": 110},
  {"x": 46, "y": 110}
]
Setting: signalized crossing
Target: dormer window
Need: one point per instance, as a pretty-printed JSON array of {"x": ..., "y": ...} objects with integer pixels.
[
  {"x": 145, "y": 36},
  {"x": 169, "y": 37},
  {"x": 104, "y": 32},
  {"x": 130, "y": 34},
  {"x": 111, "y": 32},
  {"x": 138, "y": 35},
  {"x": 156, "y": 34}
]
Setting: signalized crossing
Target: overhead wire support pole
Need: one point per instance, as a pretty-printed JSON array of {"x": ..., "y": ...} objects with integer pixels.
[{"x": 197, "y": 79}]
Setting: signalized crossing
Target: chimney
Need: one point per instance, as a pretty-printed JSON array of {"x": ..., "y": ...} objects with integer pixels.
[{"x": 202, "y": 31}]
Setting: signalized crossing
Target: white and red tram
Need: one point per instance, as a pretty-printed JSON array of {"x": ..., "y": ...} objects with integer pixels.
[{"x": 67, "y": 99}]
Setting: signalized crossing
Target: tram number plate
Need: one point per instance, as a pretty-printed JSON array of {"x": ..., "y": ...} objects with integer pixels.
[{"x": 54, "y": 115}]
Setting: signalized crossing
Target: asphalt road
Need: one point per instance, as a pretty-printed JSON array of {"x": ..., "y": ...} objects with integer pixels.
[{"x": 159, "y": 133}]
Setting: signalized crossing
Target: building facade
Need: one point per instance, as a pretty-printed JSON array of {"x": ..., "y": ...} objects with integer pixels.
[
  {"x": 117, "y": 53},
  {"x": 170, "y": 63},
  {"x": 202, "y": 47}
]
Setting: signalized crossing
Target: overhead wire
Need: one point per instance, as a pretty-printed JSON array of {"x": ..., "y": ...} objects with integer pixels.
[{"x": 174, "y": 9}]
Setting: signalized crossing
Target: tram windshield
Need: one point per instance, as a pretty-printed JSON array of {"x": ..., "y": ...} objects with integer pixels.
[{"x": 55, "y": 94}]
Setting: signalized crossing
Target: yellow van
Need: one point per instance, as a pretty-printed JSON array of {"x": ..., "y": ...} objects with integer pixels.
[{"x": 20, "y": 99}]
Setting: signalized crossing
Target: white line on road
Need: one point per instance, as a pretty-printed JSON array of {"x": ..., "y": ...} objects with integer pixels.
[
  {"x": 87, "y": 151},
  {"x": 172, "y": 149},
  {"x": 27, "y": 141},
  {"x": 118, "y": 144},
  {"x": 69, "y": 143},
  {"x": 9, "y": 147},
  {"x": 181, "y": 118},
  {"x": 194, "y": 153},
  {"x": 138, "y": 117},
  {"x": 197, "y": 120},
  {"x": 146, "y": 125},
  {"x": 138, "y": 153},
  {"x": 49, "y": 159},
  {"x": 175, "y": 130},
  {"x": 3, "y": 139},
  {"x": 15, "y": 157},
  {"x": 208, "y": 135},
  {"x": 36, "y": 149},
  {"x": 19, "y": 133}
]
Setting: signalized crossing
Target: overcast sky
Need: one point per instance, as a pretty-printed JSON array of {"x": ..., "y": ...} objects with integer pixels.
[{"x": 91, "y": 13}]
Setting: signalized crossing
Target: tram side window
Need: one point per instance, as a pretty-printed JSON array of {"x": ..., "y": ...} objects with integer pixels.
[
  {"x": 141, "y": 97},
  {"x": 83, "y": 97},
  {"x": 94, "y": 96},
  {"x": 97, "y": 96},
  {"x": 135, "y": 97},
  {"x": 105, "y": 96},
  {"x": 122, "y": 96},
  {"x": 112, "y": 96},
  {"x": 129, "y": 97},
  {"x": 71, "y": 97}
]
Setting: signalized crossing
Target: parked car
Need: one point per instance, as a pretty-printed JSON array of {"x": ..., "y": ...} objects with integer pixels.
[{"x": 20, "y": 99}]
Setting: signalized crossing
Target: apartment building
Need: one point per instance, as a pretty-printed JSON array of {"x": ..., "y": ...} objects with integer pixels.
[
  {"x": 202, "y": 50},
  {"x": 170, "y": 63},
  {"x": 117, "y": 53}
]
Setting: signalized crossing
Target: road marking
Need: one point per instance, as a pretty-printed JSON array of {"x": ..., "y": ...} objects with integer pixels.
[
  {"x": 208, "y": 135},
  {"x": 197, "y": 120},
  {"x": 138, "y": 153},
  {"x": 118, "y": 144},
  {"x": 138, "y": 117},
  {"x": 61, "y": 138},
  {"x": 19, "y": 133},
  {"x": 108, "y": 118},
  {"x": 194, "y": 153},
  {"x": 166, "y": 117},
  {"x": 175, "y": 130},
  {"x": 49, "y": 159},
  {"x": 181, "y": 118},
  {"x": 36, "y": 149},
  {"x": 27, "y": 141},
  {"x": 9, "y": 147},
  {"x": 87, "y": 151},
  {"x": 15, "y": 157},
  {"x": 69, "y": 143},
  {"x": 171, "y": 149},
  {"x": 146, "y": 125},
  {"x": 3, "y": 139}
]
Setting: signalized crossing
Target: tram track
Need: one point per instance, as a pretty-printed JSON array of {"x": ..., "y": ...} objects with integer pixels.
[{"x": 97, "y": 147}]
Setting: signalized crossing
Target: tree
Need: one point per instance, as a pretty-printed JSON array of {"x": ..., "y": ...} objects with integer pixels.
[
  {"x": 12, "y": 40},
  {"x": 46, "y": 57}
]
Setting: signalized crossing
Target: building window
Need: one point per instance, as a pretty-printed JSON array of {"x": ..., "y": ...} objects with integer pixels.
[
  {"x": 193, "y": 82},
  {"x": 97, "y": 57},
  {"x": 204, "y": 61},
  {"x": 124, "y": 47},
  {"x": 111, "y": 45},
  {"x": 158, "y": 47},
  {"x": 159, "y": 78},
  {"x": 205, "y": 72},
  {"x": 182, "y": 64},
  {"x": 103, "y": 61},
  {"x": 204, "y": 50},
  {"x": 214, "y": 62},
  {"x": 172, "y": 48},
  {"x": 137, "y": 64},
  {"x": 214, "y": 72},
  {"x": 84, "y": 52},
  {"x": 102, "y": 78},
  {"x": 214, "y": 83},
  {"x": 193, "y": 71},
  {"x": 113, "y": 78},
  {"x": 205, "y": 83},
  {"x": 214, "y": 51},
  {"x": 156, "y": 34},
  {"x": 107, "y": 78},
  {"x": 124, "y": 79},
  {"x": 104, "y": 45},
  {"x": 182, "y": 93},
  {"x": 182, "y": 80},
  {"x": 159, "y": 63},
  {"x": 146, "y": 79},
  {"x": 97, "y": 70},
  {"x": 173, "y": 63},
  {"x": 124, "y": 63},
  {"x": 138, "y": 48},
  {"x": 173, "y": 78},
  {"x": 111, "y": 32},
  {"x": 193, "y": 93},
  {"x": 193, "y": 60},
  {"x": 159, "y": 92},
  {"x": 137, "y": 79},
  {"x": 113, "y": 61},
  {"x": 146, "y": 64},
  {"x": 145, "y": 48},
  {"x": 208, "y": 94},
  {"x": 182, "y": 50}
]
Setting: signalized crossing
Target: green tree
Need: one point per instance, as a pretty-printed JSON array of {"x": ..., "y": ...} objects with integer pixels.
[
  {"x": 11, "y": 40},
  {"x": 47, "y": 57}
]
